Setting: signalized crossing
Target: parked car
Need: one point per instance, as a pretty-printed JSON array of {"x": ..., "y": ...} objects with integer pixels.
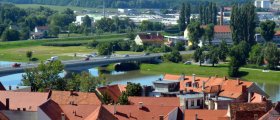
[
  {"x": 87, "y": 59},
  {"x": 53, "y": 58},
  {"x": 126, "y": 56},
  {"x": 188, "y": 63},
  {"x": 106, "y": 57},
  {"x": 146, "y": 54},
  {"x": 16, "y": 65}
]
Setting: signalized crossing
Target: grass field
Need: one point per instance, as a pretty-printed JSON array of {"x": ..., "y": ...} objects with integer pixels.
[
  {"x": 61, "y": 8},
  {"x": 15, "y": 51},
  {"x": 206, "y": 71}
]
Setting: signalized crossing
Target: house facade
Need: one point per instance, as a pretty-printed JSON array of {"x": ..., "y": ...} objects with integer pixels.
[{"x": 149, "y": 39}]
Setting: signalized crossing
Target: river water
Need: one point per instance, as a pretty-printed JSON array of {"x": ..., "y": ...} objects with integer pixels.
[{"x": 115, "y": 77}]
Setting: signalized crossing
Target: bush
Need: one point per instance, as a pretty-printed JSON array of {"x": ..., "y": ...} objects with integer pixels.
[{"x": 174, "y": 56}]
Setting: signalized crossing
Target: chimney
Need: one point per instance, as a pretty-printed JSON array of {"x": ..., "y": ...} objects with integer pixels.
[
  {"x": 182, "y": 77},
  {"x": 71, "y": 92},
  {"x": 115, "y": 109},
  {"x": 238, "y": 81},
  {"x": 261, "y": 98},
  {"x": 62, "y": 116},
  {"x": 23, "y": 109},
  {"x": 193, "y": 80},
  {"x": 17, "y": 87},
  {"x": 161, "y": 117},
  {"x": 7, "y": 104},
  {"x": 196, "y": 117},
  {"x": 203, "y": 85},
  {"x": 225, "y": 78},
  {"x": 10, "y": 87},
  {"x": 140, "y": 105},
  {"x": 249, "y": 97},
  {"x": 222, "y": 16},
  {"x": 50, "y": 94}
]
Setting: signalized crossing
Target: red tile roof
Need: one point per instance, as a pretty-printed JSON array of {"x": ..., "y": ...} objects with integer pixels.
[
  {"x": 127, "y": 112},
  {"x": 28, "y": 100},
  {"x": 114, "y": 91},
  {"x": 273, "y": 114},
  {"x": 52, "y": 110},
  {"x": 3, "y": 116},
  {"x": 65, "y": 97},
  {"x": 222, "y": 29},
  {"x": 171, "y": 77},
  {"x": 101, "y": 113},
  {"x": 155, "y": 101},
  {"x": 205, "y": 114},
  {"x": 277, "y": 33},
  {"x": 151, "y": 37},
  {"x": 247, "y": 111}
]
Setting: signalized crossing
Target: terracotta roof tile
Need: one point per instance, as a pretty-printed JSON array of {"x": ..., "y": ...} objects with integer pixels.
[
  {"x": 101, "y": 113},
  {"x": 171, "y": 77},
  {"x": 273, "y": 114},
  {"x": 205, "y": 114},
  {"x": 52, "y": 110},
  {"x": 247, "y": 111},
  {"x": 222, "y": 29},
  {"x": 126, "y": 112},
  {"x": 28, "y": 100},
  {"x": 114, "y": 91},
  {"x": 151, "y": 37},
  {"x": 155, "y": 101},
  {"x": 3, "y": 116},
  {"x": 65, "y": 97}
]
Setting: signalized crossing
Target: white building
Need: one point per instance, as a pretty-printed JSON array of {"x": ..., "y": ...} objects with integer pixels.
[{"x": 266, "y": 4}]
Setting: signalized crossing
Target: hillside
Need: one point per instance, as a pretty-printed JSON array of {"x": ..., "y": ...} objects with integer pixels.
[{"x": 122, "y": 3}]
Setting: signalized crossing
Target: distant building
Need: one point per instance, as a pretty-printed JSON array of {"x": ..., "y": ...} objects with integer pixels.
[
  {"x": 79, "y": 19},
  {"x": 276, "y": 38},
  {"x": 221, "y": 32},
  {"x": 266, "y": 4},
  {"x": 149, "y": 39},
  {"x": 173, "y": 40},
  {"x": 40, "y": 32}
]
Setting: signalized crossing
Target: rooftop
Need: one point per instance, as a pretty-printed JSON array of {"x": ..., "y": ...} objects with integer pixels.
[
  {"x": 155, "y": 101},
  {"x": 114, "y": 91},
  {"x": 205, "y": 114}
]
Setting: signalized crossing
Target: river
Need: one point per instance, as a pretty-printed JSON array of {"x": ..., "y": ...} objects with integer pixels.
[{"x": 115, "y": 77}]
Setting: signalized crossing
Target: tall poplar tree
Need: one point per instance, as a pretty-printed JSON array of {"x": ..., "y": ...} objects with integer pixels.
[
  {"x": 188, "y": 13},
  {"x": 182, "y": 18}
]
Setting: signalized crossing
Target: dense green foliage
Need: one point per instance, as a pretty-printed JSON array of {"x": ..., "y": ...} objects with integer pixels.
[
  {"x": 208, "y": 14},
  {"x": 267, "y": 30},
  {"x": 195, "y": 33},
  {"x": 123, "y": 99},
  {"x": 174, "y": 56},
  {"x": 123, "y": 3},
  {"x": 134, "y": 89}
]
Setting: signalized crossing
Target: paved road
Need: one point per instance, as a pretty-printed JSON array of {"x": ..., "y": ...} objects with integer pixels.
[{"x": 5, "y": 70}]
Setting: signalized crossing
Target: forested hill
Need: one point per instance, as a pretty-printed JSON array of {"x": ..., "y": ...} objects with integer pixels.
[{"x": 122, "y": 3}]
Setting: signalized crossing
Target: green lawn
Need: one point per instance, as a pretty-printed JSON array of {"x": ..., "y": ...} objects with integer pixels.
[
  {"x": 206, "y": 71},
  {"x": 15, "y": 51}
]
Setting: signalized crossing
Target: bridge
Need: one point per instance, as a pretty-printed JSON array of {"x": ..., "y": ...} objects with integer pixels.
[{"x": 76, "y": 65}]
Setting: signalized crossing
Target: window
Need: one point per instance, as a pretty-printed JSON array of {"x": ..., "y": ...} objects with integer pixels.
[
  {"x": 192, "y": 102},
  {"x": 198, "y": 102}
]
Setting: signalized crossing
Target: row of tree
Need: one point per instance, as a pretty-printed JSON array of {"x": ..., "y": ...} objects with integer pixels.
[{"x": 208, "y": 14}]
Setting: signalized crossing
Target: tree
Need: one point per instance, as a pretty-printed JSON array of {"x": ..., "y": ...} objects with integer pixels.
[
  {"x": 10, "y": 35},
  {"x": 45, "y": 76},
  {"x": 272, "y": 55},
  {"x": 146, "y": 25},
  {"x": 238, "y": 57},
  {"x": 188, "y": 13},
  {"x": 105, "y": 25},
  {"x": 29, "y": 55},
  {"x": 123, "y": 99},
  {"x": 223, "y": 51},
  {"x": 198, "y": 56},
  {"x": 88, "y": 83},
  {"x": 194, "y": 32},
  {"x": 182, "y": 18},
  {"x": 105, "y": 48},
  {"x": 93, "y": 44},
  {"x": 256, "y": 55},
  {"x": 213, "y": 55},
  {"x": 209, "y": 33},
  {"x": 87, "y": 25},
  {"x": 180, "y": 46},
  {"x": 243, "y": 24},
  {"x": 106, "y": 98},
  {"x": 54, "y": 31},
  {"x": 133, "y": 89},
  {"x": 267, "y": 30},
  {"x": 174, "y": 56}
]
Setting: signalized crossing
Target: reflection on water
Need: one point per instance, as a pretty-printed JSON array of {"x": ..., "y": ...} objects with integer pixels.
[{"x": 273, "y": 90}]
